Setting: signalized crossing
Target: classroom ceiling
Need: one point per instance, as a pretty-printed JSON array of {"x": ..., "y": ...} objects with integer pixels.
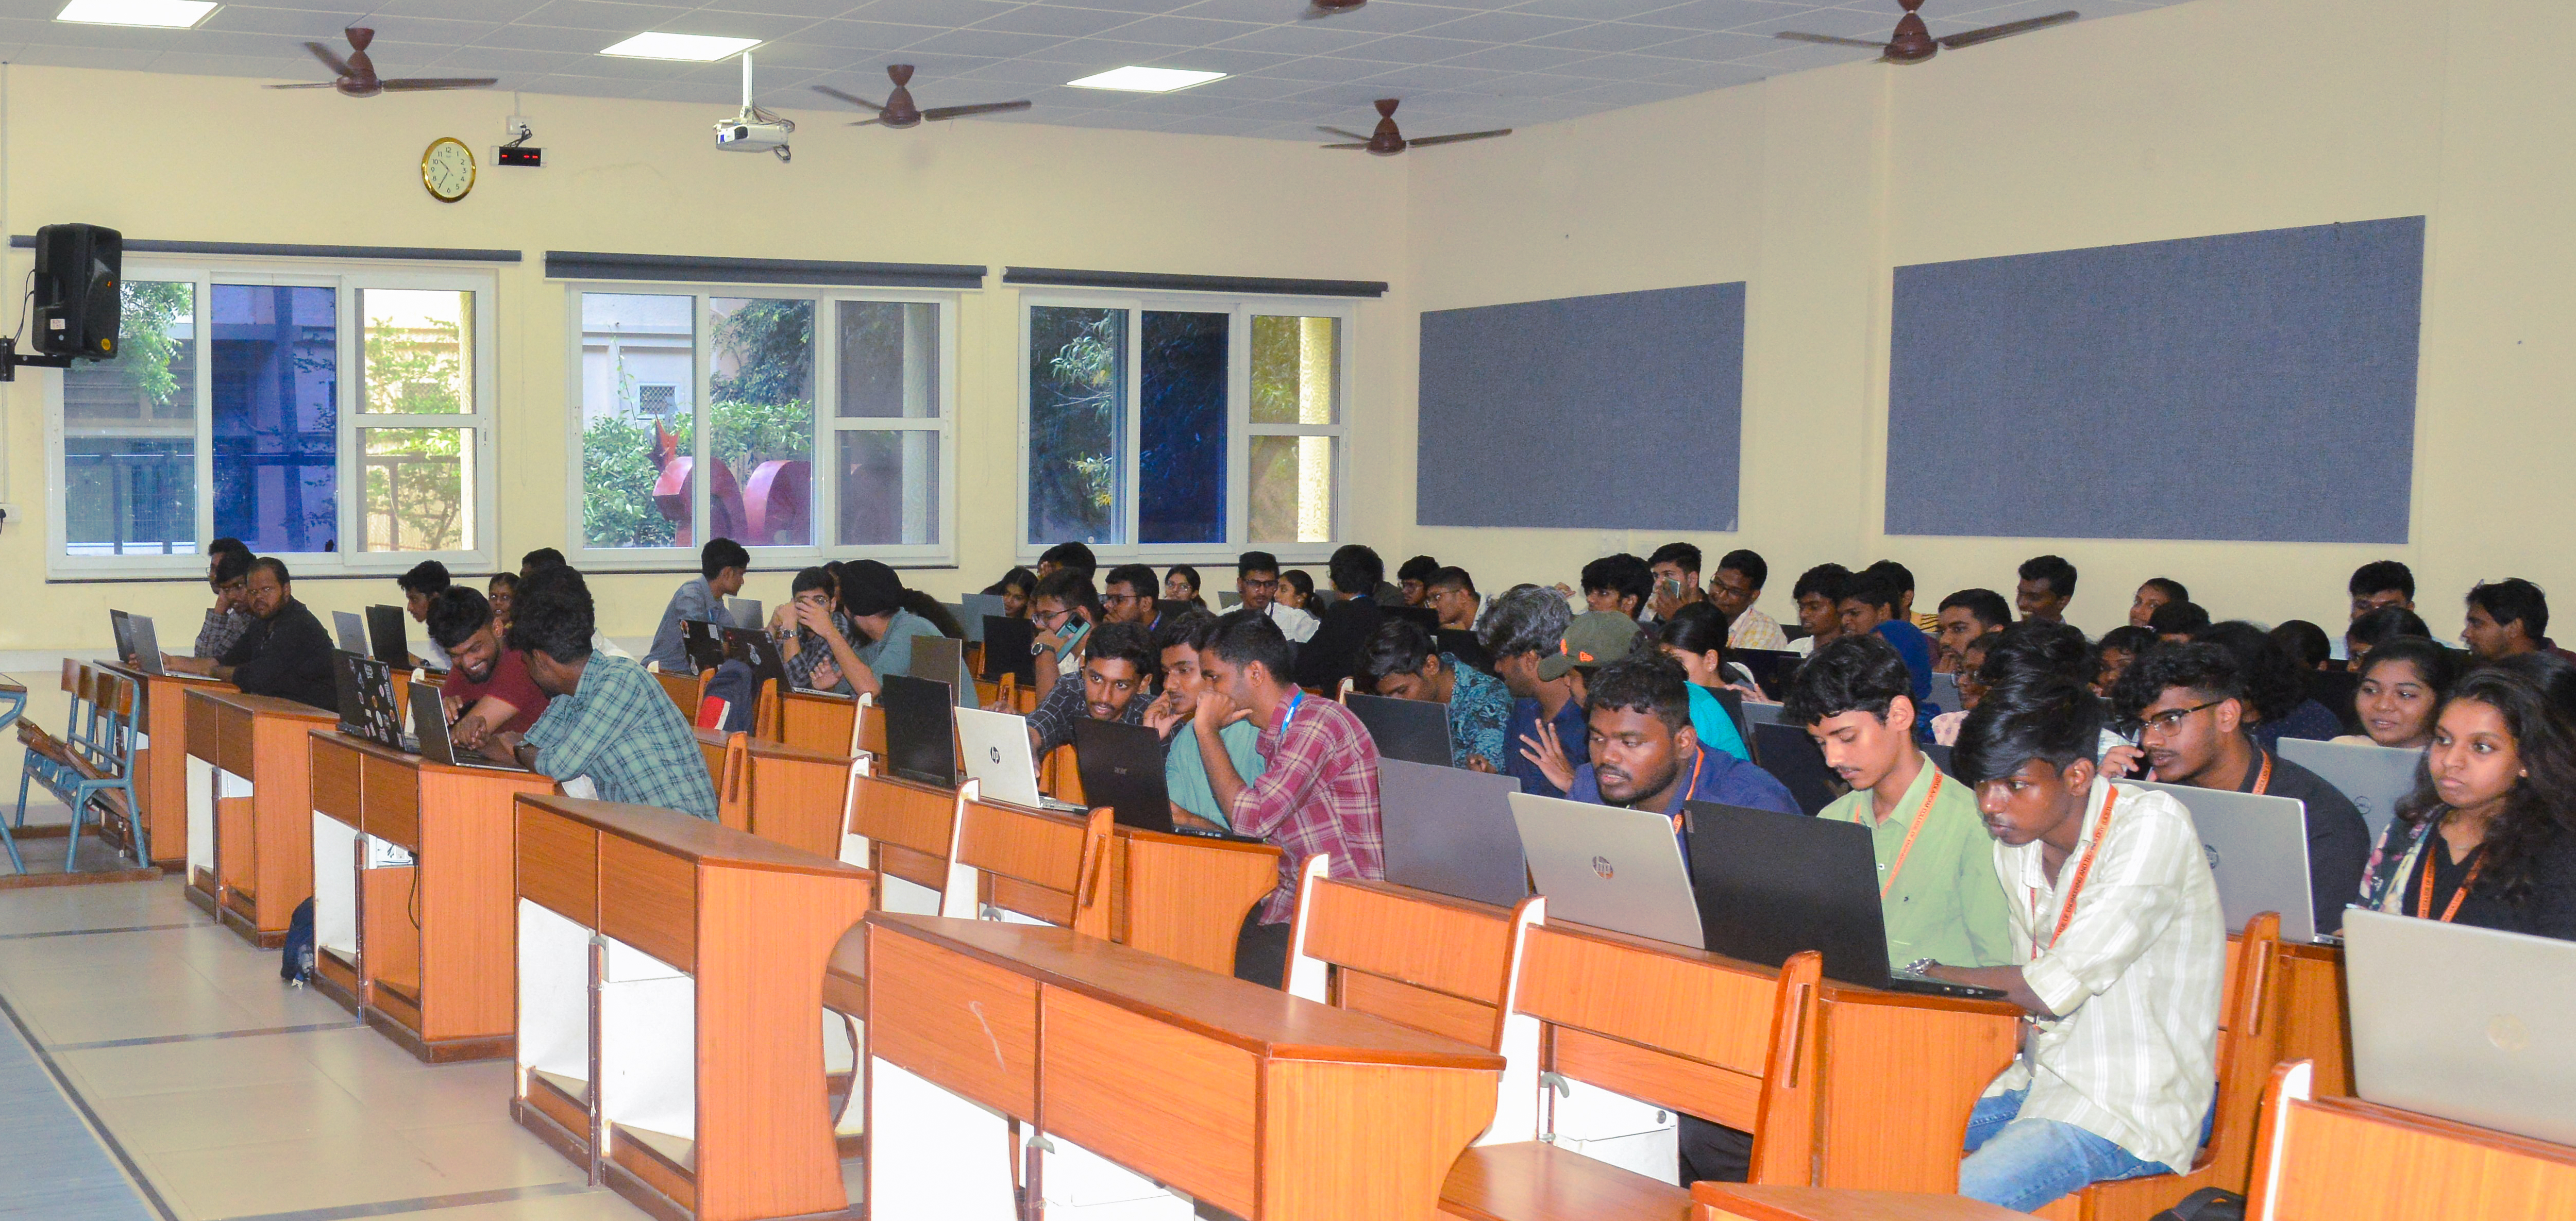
[{"x": 1457, "y": 64}]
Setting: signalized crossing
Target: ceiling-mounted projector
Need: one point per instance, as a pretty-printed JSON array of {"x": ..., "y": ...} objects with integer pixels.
[{"x": 754, "y": 130}]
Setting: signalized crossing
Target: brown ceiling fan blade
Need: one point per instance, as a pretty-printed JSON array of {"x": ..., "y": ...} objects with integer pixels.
[
  {"x": 867, "y": 122},
  {"x": 959, "y": 112},
  {"x": 1990, "y": 33},
  {"x": 417, "y": 84},
  {"x": 1362, "y": 145},
  {"x": 312, "y": 85},
  {"x": 1419, "y": 141},
  {"x": 1317, "y": 12},
  {"x": 330, "y": 58},
  {"x": 1347, "y": 135},
  {"x": 851, "y": 98},
  {"x": 1831, "y": 40}
]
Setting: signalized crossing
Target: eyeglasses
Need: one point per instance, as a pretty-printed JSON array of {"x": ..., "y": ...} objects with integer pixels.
[
  {"x": 1048, "y": 619},
  {"x": 2171, "y": 720},
  {"x": 1264, "y": 587},
  {"x": 1120, "y": 599}
]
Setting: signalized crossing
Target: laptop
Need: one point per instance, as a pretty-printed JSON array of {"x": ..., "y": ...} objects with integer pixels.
[
  {"x": 2258, "y": 850},
  {"x": 753, "y": 647},
  {"x": 1462, "y": 644},
  {"x": 1770, "y": 885},
  {"x": 1945, "y": 692},
  {"x": 2467, "y": 1023},
  {"x": 1450, "y": 831},
  {"x": 921, "y": 736},
  {"x": 698, "y": 638},
  {"x": 1772, "y": 668},
  {"x": 1796, "y": 761},
  {"x": 1122, "y": 768},
  {"x": 137, "y": 638},
  {"x": 746, "y": 612},
  {"x": 995, "y": 748},
  {"x": 123, "y": 631},
  {"x": 366, "y": 689},
  {"x": 2375, "y": 777},
  {"x": 940, "y": 658},
  {"x": 1228, "y": 599},
  {"x": 1416, "y": 731},
  {"x": 1608, "y": 867},
  {"x": 351, "y": 628},
  {"x": 429, "y": 726},
  {"x": 392, "y": 639},
  {"x": 1756, "y": 713},
  {"x": 1009, "y": 648},
  {"x": 1419, "y": 616},
  {"x": 971, "y": 609}
]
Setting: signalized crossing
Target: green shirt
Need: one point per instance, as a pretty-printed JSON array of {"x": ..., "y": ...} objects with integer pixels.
[
  {"x": 1947, "y": 904},
  {"x": 620, "y": 729},
  {"x": 1185, "y": 778}
]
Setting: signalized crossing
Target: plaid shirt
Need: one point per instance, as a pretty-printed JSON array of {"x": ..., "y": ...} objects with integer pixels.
[
  {"x": 812, "y": 651},
  {"x": 223, "y": 630},
  {"x": 1319, "y": 795},
  {"x": 619, "y": 729},
  {"x": 1065, "y": 703}
]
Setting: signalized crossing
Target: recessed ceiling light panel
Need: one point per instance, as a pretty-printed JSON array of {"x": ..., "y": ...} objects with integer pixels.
[
  {"x": 701, "y": 48},
  {"x": 166, "y": 14},
  {"x": 1146, "y": 80}
]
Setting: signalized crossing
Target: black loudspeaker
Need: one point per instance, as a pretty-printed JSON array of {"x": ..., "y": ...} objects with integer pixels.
[{"x": 78, "y": 272}]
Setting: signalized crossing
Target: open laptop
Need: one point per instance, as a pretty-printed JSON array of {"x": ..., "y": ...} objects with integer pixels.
[
  {"x": 1450, "y": 831},
  {"x": 921, "y": 736},
  {"x": 429, "y": 726},
  {"x": 2375, "y": 777},
  {"x": 705, "y": 648},
  {"x": 1772, "y": 668},
  {"x": 746, "y": 612},
  {"x": 754, "y": 648},
  {"x": 939, "y": 657},
  {"x": 351, "y": 629},
  {"x": 2257, "y": 847},
  {"x": 2467, "y": 1023},
  {"x": 1795, "y": 760},
  {"x": 136, "y": 637},
  {"x": 385, "y": 627},
  {"x": 995, "y": 748},
  {"x": 1416, "y": 731},
  {"x": 1770, "y": 885},
  {"x": 365, "y": 686},
  {"x": 1462, "y": 644},
  {"x": 1009, "y": 646},
  {"x": 1419, "y": 616},
  {"x": 1608, "y": 867},
  {"x": 1122, "y": 768},
  {"x": 971, "y": 609}
]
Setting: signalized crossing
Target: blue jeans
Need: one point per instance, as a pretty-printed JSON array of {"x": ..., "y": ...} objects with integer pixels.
[{"x": 2022, "y": 1164}]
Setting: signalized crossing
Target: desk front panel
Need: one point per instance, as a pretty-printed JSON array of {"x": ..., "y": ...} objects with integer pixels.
[
  {"x": 559, "y": 865},
  {"x": 969, "y": 1026},
  {"x": 393, "y": 801},
  {"x": 1159, "y": 1100},
  {"x": 1710, "y": 1012},
  {"x": 648, "y": 899},
  {"x": 205, "y": 734},
  {"x": 336, "y": 791},
  {"x": 1900, "y": 1075},
  {"x": 234, "y": 748}
]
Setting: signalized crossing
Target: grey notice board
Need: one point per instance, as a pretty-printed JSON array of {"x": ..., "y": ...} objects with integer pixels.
[
  {"x": 1540, "y": 413},
  {"x": 2244, "y": 387}
]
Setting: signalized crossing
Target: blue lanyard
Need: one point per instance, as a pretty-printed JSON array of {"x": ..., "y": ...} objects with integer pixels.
[{"x": 1291, "y": 714}]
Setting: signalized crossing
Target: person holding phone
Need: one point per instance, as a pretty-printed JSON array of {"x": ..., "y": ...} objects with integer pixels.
[{"x": 1064, "y": 609}]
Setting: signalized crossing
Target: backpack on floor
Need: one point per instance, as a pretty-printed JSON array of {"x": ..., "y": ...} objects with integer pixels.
[
  {"x": 297, "y": 964},
  {"x": 2206, "y": 1204}
]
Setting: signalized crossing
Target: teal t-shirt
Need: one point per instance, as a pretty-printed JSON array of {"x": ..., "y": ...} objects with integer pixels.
[
  {"x": 1185, "y": 776},
  {"x": 1712, "y": 726}
]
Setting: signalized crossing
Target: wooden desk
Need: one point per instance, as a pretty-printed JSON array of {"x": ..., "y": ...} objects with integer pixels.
[
  {"x": 2314, "y": 1025},
  {"x": 810, "y": 719},
  {"x": 250, "y": 861},
  {"x": 670, "y": 984},
  {"x": 776, "y": 791},
  {"x": 2342, "y": 1159},
  {"x": 1257, "y": 1102},
  {"x": 1743, "y": 1202},
  {"x": 161, "y": 761},
  {"x": 1184, "y": 896},
  {"x": 422, "y": 943}
]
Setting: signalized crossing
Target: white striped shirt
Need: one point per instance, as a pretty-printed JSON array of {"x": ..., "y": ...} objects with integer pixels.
[{"x": 2137, "y": 977}]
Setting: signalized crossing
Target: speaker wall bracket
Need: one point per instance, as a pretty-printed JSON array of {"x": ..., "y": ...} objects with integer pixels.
[{"x": 11, "y": 359}]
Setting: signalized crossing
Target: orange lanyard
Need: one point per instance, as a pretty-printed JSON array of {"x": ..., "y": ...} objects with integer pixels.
[
  {"x": 2424, "y": 894},
  {"x": 1924, "y": 811},
  {"x": 2263, "y": 780},
  {"x": 2075, "y": 887}
]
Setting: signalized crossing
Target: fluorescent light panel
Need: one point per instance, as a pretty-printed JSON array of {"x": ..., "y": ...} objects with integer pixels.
[
  {"x": 166, "y": 14},
  {"x": 701, "y": 48},
  {"x": 1133, "y": 79}
]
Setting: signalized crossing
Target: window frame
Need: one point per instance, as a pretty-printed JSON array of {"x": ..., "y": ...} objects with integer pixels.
[
  {"x": 828, "y": 423},
  {"x": 1241, "y": 309},
  {"x": 348, "y": 280}
]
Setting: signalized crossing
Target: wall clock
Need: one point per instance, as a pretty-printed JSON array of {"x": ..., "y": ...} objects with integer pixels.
[{"x": 447, "y": 169}]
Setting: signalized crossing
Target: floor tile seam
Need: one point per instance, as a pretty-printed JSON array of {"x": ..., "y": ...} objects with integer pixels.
[{"x": 98, "y": 1127}]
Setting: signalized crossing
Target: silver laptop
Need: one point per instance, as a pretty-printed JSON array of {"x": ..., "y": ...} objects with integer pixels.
[
  {"x": 2258, "y": 850},
  {"x": 994, "y": 746},
  {"x": 1450, "y": 831},
  {"x": 2466, "y": 1023},
  {"x": 351, "y": 627},
  {"x": 1608, "y": 867},
  {"x": 146, "y": 642},
  {"x": 429, "y": 725},
  {"x": 940, "y": 660},
  {"x": 1945, "y": 691},
  {"x": 1757, "y": 712},
  {"x": 971, "y": 609},
  {"x": 2375, "y": 777},
  {"x": 745, "y": 612}
]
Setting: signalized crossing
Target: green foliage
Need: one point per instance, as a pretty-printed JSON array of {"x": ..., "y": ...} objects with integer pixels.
[
  {"x": 763, "y": 410},
  {"x": 770, "y": 345},
  {"x": 415, "y": 477},
  {"x": 145, "y": 350},
  {"x": 1073, "y": 423},
  {"x": 617, "y": 475}
]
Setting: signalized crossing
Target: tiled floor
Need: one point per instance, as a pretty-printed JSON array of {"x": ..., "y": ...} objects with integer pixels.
[{"x": 238, "y": 1097}]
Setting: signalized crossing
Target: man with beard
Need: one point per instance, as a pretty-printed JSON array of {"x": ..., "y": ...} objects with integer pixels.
[
  {"x": 487, "y": 686},
  {"x": 285, "y": 653}
]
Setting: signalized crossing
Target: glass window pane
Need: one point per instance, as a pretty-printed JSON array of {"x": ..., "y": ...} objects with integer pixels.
[
  {"x": 418, "y": 487},
  {"x": 889, "y": 488},
  {"x": 130, "y": 431},
  {"x": 889, "y": 359},
  {"x": 1296, "y": 369},
  {"x": 1292, "y": 489},
  {"x": 1077, "y": 413},
  {"x": 275, "y": 386},
  {"x": 420, "y": 351},
  {"x": 639, "y": 376},
  {"x": 760, "y": 408},
  {"x": 1180, "y": 473}
]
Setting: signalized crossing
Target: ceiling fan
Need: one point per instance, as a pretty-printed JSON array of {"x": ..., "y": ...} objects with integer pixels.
[
  {"x": 899, "y": 111},
  {"x": 357, "y": 74},
  {"x": 1913, "y": 43},
  {"x": 1329, "y": 8},
  {"x": 1386, "y": 141}
]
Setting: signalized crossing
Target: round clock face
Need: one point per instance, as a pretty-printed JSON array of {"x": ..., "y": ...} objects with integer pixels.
[{"x": 447, "y": 169}]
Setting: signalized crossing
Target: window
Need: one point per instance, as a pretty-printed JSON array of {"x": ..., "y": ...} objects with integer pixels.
[
  {"x": 757, "y": 387},
  {"x": 1182, "y": 429},
  {"x": 225, "y": 413}
]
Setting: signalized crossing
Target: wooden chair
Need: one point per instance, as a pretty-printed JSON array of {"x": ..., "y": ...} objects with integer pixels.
[
  {"x": 729, "y": 768},
  {"x": 1046, "y": 867},
  {"x": 1184, "y": 896},
  {"x": 1060, "y": 775},
  {"x": 2249, "y": 1040},
  {"x": 685, "y": 690},
  {"x": 2342, "y": 1159}
]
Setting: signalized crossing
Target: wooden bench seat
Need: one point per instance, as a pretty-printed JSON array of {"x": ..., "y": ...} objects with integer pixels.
[{"x": 1531, "y": 1180}]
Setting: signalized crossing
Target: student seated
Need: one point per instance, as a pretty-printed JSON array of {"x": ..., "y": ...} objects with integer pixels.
[
  {"x": 1127, "y": 596},
  {"x": 1736, "y": 586},
  {"x": 1453, "y": 595},
  {"x": 891, "y": 617},
  {"x": 1617, "y": 584},
  {"x": 1936, "y": 871},
  {"x": 1181, "y": 584},
  {"x": 1257, "y": 580},
  {"x": 2177, "y": 622},
  {"x": 539, "y": 560},
  {"x": 806, "y": 649},
  {"x": 2403, "y": 683},
  {"x": 1318, "y": 793},
  {"x": 1871, "y": 604},
  {"x": 2041, "y": 646},
  {"x": 2047, "y": 585},
  {"x": 1014, "y": 589},
  {"x": 2370, "y": 630},
  {"x": 1695, "y": 636},
  {"x": 605, "y": 718},
  {"x": 1183, "y": 640},
  {"x": 1413, "y": 580},
  {"x": 1297, "y": 592},
  {"x": 2120, "y": 958},
  {"x": 2189, "y": 701},
  {"x": 1525, "y": 632},
  {"x": 1675, "y": 569},
  {"x": 2155, "y": 592},
  {"x": 2276, "y": 686},
  {"x": 1064, "y": 610},
  {"x": 1819, "y": 595},
  {"x": 228, "y": 572},
  {"x": 1333, "y": 653},
  {"x": 503, "y": 587},
  {"x": 2114, "y": 652},
  {"x": 2381, "y": 583},
  {"x": 487, "y": 685},
  {"x": 1402, "y": 661},
  {"x": 426, "y": 580},
  {"x": 1067, "y": 557},
  {"x": 722, "y": 566},
  {"x": 1901, "y": 579},
  {"x": 2488, "y": 837},
  {"x": 2507, "y": 618},
  {"x": 1116, "y": 683},
  {"x": 285, "y": 653},
  {"x": 1965, "y": 616},
  {"x": 1972, "y": 688},
  {"x": 2305, "y": 643}
]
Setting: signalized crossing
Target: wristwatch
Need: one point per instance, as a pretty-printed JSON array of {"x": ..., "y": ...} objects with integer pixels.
[{"x": 1922, "y": 965}]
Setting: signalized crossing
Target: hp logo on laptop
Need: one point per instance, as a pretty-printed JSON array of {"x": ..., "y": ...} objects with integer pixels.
[
  {"x": 2210, "y": 851},
  {"x": 994, "y": 752},
  {"x": 1601, "y": 865}
]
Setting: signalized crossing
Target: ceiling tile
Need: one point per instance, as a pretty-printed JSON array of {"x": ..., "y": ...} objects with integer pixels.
[
  {"x": 1716, "y": 47},
  {"x": 1176, "y": 30},
  {"x": 460, "y": 10},
  {"x": 547, "y": 38},
  {"x": 787, "y": 8},
  {"x": 945, "y": 13},
  {"x": 734, "y": 25},
  {"x": 864, "y": 34},
  {"x": 1419, "y": 77},
  {"x": 1614, "y": 36},
  {"x": 1846, "y": 22},
  {"x": 1061, "y": 20},
  {"x": 1298, "y": 38},
  {"x": 1389, "y": 17},
  {"x": 1414, "y": 49},
  {"x": 511, "y": 60},
  {"x": 1502, "y": 27},
  {"x": 1520, "y": 58},
  {"x": 1727, "y": 14},
  {"x": 1595, "y": 10},
  {"x": 603, "y": 15},
  {"x": 999, "y": 44},
  {"x": 250, "y": 20}
]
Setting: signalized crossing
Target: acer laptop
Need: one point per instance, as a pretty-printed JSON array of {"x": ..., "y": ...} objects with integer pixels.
[
  {"x": 1122, "y": 768},
  {"x": 1416, "y": 731},
  {"x": 1010, "y": 647}
]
